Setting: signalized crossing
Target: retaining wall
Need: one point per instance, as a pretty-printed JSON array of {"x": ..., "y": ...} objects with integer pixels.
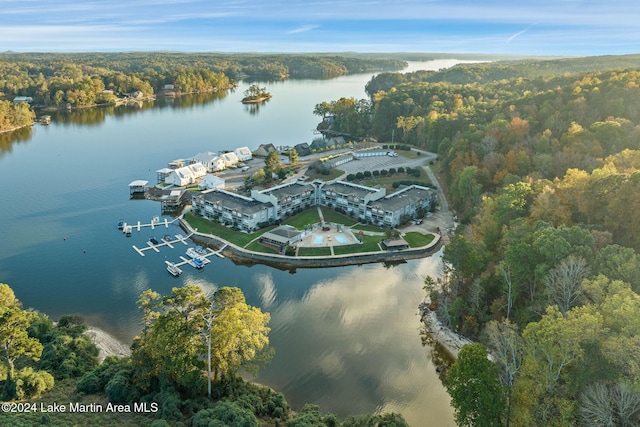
[{"x": 245, "y": 256}]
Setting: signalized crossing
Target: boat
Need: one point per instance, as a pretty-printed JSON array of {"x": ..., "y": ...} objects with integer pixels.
[
  {"x": 126, "y": 229},
  {"x": 197, "y": 263},
  {"x": 121, "y": 224},
  {"x": 198, "y": 253},
  {"x": 173, "y": 269},
  {"x": 153, "y": 241}
]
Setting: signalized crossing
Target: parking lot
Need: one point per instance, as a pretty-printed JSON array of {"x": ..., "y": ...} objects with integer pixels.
[{"x": 378, "y": 163}]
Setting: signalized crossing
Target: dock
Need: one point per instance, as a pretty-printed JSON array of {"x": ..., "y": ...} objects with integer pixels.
[
  {"x": 155, "y": 222},
  {"x": 179, "y": 238},
  {"x": 205, "y": 258}
]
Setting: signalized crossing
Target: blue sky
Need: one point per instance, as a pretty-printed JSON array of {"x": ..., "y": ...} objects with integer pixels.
[{"x": 536, "y": 27}]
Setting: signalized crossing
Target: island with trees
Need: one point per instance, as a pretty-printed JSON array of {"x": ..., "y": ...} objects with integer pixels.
[{"x": 255, "y": 94}]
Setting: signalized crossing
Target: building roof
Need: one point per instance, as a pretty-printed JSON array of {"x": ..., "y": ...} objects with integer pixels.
[
  {"x": 395, "y": 243},
  {"x": 267, "y": 147},
  {"x": 283, "y": 234},
  {"x": 340, "y": 158},
  {"x": 242, "y": 150},
  {"x": 204, "y": 157},
  {"x": 230, "y": 157},
  {"x": 198, "y": 169},
  {"x": 138, "y": 183},
  {"x": 289, "y": 189},
  {"x": 235, "y": 201},
  {"x": 406, "y": 196},
  {"x": 349, "y": 189}
]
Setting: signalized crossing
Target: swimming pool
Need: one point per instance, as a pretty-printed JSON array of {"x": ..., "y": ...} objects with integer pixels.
[
  {"x": 317, "y": 239},
  {"x": 341, "y": 239}
]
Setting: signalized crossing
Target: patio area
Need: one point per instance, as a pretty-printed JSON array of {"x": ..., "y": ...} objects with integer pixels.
[{"x": 336, "y": 235}]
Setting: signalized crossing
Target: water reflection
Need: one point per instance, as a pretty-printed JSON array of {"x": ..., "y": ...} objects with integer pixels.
[
  {"x": 346, "y": 337},
  {"x": 356, "y": 335},
  {"x": 254, "y": 108},
  {"x": 7, "y": 139}
]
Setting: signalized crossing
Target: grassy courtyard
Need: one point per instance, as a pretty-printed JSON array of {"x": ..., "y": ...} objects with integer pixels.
[
  {"x": 226, "y": 233},
  {"x": 304, "y": 218},
  {"x": 418, "y": 240}
]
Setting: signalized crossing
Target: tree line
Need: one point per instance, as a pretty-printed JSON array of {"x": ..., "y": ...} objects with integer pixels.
[
  {"x": 185, "y": 363},
  {"x": 81, "y": 79},
  {"x": 542, "y": 169}
]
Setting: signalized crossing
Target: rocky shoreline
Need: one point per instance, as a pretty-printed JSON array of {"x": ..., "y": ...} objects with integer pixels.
[
  {"x": 450, "y": 340},
  {"x": 107, "y": 344}
]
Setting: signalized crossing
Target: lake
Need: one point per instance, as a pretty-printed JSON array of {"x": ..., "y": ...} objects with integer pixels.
[{"x": 346, "y": 338}]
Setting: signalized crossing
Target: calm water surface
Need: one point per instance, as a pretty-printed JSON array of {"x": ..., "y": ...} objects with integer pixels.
[{"x": 345, "y": 338}]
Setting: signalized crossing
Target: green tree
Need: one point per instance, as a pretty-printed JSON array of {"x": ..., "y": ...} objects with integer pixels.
[
  {"x": 272, "y": 163},
  {"x": 474, "y": 387},
  {"x": 171, "y": 344},
  {"x": 322, "y": 109},
  {"x": 239, "y": 336},
  {"x": 15, "y": 341},
  {"x": 293, "y": 156}
]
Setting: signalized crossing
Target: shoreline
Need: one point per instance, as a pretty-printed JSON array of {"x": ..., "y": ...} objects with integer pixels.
[
  {"x": 241, "y": 255},
  {"x": 107, "y": 343},
  {"x": 448, "y": 339}
]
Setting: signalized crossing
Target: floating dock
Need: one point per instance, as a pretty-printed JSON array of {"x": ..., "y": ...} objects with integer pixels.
[
  {"x": 155, "y": 222},
  {"x": 165, "y": 242},
  {"x": 205, "y": 258}
]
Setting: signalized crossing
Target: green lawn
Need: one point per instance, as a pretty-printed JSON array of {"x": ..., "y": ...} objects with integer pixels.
[
  {"x": 332, "y": 216},
  {"x": 258, "y": 247},
  {"x": 334, "y": 173},
  {"x": 307, "y": 216},
  {"x": 417, "y": 240},
  {"x": 370, "y": 245},
  {"x": 387, "y": 181},
  {"x": 215, "y": 228},
  {"x": 369, "y": 227},
  {"x": 323, "y": 251},
  {"x": 409, "y": 154}
]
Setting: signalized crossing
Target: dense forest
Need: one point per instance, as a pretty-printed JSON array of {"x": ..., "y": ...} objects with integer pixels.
[
  {"x": 183, "y": 371},
  {"x": 542, "y": 166},
  {"x": 89, "y": 78}
]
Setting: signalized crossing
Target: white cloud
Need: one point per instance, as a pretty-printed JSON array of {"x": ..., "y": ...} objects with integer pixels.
[{"x": 302, "y": 29}]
